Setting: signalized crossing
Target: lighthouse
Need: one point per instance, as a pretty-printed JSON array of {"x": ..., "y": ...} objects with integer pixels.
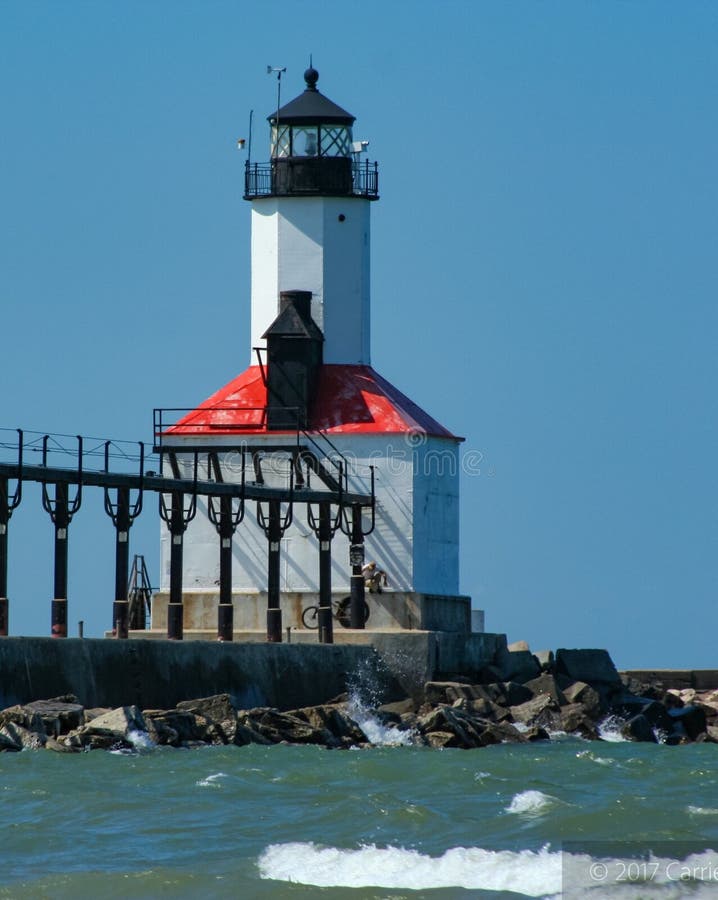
[{"x": 352, "y": 470}]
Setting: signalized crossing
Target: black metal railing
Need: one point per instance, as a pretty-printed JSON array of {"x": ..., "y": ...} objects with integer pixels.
[
  {"x": 273, "y": 178},
  {"x": 257, "y": 180}
]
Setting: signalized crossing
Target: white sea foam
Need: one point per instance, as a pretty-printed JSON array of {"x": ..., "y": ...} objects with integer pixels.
[
  {"x": 610, "y": 729},
  {"x": 211, "y": 780},
  {"x": 140, "y": 740},
  {"x": 378, "y": 734},
  {"x": 531, "y": 873},
  {"x": 702, "y": 811},
  {"x": 531, "y": 803},
  {"x": 543, "y": 873},
  {"x": 601, "y": 760}
]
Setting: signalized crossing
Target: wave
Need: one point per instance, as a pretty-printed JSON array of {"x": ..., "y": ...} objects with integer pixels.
[
  {"x": 211, "y": 780},
  {"x": 378, "y": 734},
  {"x": 541, "y": 873},
  {"x": 533, "y": 803},
  {"x": 601, "y": 760},
  {"x": 610, "y": 729},
  {"x": 527, "y": 872}
]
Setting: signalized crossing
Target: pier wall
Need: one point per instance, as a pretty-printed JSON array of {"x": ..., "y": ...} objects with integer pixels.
[{"x": 160, "y": 673}]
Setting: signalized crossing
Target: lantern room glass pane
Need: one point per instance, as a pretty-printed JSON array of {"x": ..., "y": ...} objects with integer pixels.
[
  {"x": 336, "y": 140},
  {"x": 304, "y": 141},
  {"x": 283, "y": 148}
]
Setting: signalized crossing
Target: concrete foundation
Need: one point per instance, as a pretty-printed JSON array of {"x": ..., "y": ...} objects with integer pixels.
[{"x": 390, "y": 609}]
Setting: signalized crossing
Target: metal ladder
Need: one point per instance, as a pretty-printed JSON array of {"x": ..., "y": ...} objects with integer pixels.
[{"x": 139, "y": 594}]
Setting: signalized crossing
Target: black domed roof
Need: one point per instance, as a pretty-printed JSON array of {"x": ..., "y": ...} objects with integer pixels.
[{"x": 311, "y": 107}]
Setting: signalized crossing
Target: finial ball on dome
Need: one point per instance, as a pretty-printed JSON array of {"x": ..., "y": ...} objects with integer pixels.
[{"x": 311, "y": 76}]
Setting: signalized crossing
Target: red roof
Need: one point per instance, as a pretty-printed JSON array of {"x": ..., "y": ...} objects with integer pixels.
[{"x": 350, "y": 400}]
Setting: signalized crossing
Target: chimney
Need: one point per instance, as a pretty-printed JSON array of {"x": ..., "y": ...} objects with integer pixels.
[{"x": 294, "y": 355}]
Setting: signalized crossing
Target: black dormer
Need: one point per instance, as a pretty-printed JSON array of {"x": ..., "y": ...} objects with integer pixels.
[
  {"x": 294, "y": 355},
  {"x": 312, "y": 151}
]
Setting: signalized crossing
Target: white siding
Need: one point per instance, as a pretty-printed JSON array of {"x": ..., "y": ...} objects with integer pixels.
[
  {"x": 415, "y": 540},
  {"x": 436, "y": 517},
  {"x": 298, "y": 243}
]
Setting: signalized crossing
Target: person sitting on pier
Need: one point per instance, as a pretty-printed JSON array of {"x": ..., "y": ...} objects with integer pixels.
[{"x": 374, "y": 578}]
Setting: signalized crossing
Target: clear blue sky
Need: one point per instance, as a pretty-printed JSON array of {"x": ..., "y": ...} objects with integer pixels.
[{"x": 544, "y": 273}]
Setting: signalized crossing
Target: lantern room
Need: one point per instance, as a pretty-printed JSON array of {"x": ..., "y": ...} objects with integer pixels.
[
  {"x": 312, "y": 151},
  {"x": 311, "y": 125}
]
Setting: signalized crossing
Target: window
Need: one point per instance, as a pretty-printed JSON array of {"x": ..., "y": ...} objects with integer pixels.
[
  {"x": 304, "y": 141},
  {"x": 283, "y": 148},
  {"x": 336, "y": 140}
]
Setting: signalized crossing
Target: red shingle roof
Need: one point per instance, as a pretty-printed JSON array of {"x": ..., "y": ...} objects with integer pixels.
[{"x": 350, "y": 400}]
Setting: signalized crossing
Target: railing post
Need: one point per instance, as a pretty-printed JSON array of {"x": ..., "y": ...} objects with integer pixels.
[
  {"x": 326, "y": 634},
  {"x": 274, "y": 612}
]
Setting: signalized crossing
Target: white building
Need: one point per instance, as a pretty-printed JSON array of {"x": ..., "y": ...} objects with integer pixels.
[{"x": 310, "y": 385}]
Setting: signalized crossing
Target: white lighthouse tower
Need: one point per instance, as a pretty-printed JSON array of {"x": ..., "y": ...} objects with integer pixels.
[{"x": 311, "y": 399}]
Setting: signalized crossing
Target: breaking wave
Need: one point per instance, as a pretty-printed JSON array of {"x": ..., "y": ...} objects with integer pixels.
[
  {"x": 531, "y": 873},
  {"x": 378, "y": 733},
  {"x": 532, "y": 803},
  {"x": 542, "y": 873}
]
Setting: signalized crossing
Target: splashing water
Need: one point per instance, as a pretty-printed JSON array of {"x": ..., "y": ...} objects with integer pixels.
[
  {"x": 364, "y": 686},
  {"x": 365, "y": 695},
  {"x": 610, "y": 729},
  {"x": 378, "y": 733},
  {"x": 140, "y": 740}
]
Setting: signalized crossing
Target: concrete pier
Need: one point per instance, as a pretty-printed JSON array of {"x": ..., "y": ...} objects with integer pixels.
[{"x": 160, "y": 673}]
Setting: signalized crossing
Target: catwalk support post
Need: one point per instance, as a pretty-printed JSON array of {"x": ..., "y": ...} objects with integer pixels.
[
  {"x": 123, "y": 513},
  {"x": 274, "y": 537},
  {"x": 225, "y": 521},
  {"x": 324, "y": 527},
  {"x": 357, "y": 603},
  {"x": 4, "y": 519},
  {"x": 274, "y": 525},
  {"x": 61, "y": 509},
  {"x": 356, "y": 530},
  {"x": 175, "y": 607},
  {"x": 326, "y": 632},
  {"x": 120, "y": 606},
  {"x": 177, "y": 517},
  {"x": 8, "y": 503}
]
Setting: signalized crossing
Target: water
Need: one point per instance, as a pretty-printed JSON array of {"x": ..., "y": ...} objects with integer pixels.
[{"x": 389, "y": 822}]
